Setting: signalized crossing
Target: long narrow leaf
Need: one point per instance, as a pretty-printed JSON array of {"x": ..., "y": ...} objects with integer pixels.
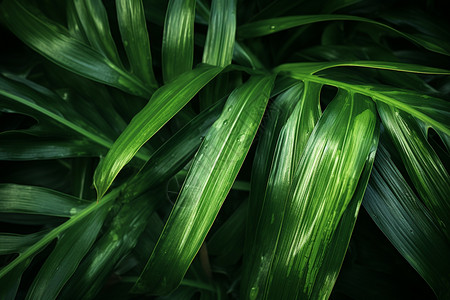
[
  {"x": 55, "y": 43},
  {"x": 64, "y": 259},
  {"x": 290, "y": 145},
  {"x": 221, "y": 31},
  {"x": 327, "y": 177},
  {"x": 178, "y": 41},
  {"x": 211, "y": 176},
  {"x": 269, "y": 26},
  {"x": 163, "y": 105},
  {"x": 408, "y": 224},
  {"x": 133, "y": 29},
  {"x": 424, "y": 167}
]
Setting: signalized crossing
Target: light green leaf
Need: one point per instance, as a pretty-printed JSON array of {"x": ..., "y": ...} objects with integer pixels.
[
  {"x": 408, "y": 224},
  {"x": 221, "y": 31},
  {"x": 133, "y": 29},
  {"x": 269, "y": 26},
  {"x": 25, "y": 199},
  {"x": 211, "y": 176},
  {"x": 269, "y": 209},
  {"x": 178, "y": 41},
  {"x": 163, "y": 105},
  {"x": 432, "y": 111},
  {"x": 327, "y": 177}
]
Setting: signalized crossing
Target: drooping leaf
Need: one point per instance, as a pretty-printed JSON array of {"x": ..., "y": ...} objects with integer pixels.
[
  {"x": 269, "y": 210},
  {"x": 408, "y": 224},
  {"x": 324, "y": 185},
  {"x": 211, "y": 176},
  {"x": 269, "y": 26},
  {"x": 424, "y": 167},
  {"x": 163, "y": 105}
]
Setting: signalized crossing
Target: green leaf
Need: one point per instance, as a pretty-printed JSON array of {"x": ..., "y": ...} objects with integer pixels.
[
  {"x": 328, "y": 174},
  {"x": 432, "y": 111},
  {"x": 119, "y": 238},
  {"x": 18, "y": 146},
  {"x": 133, "y": 29},
  {"x": 56, "y": 232},
  {"x": 173, "y": 154},
  {"x": 428, "y": 174},
  {"x": 310, "y": 68},
  {"x": 16, "y": 243},
  {"x": 54, "y": 41},
  {"x": 408, "y": 224},
  {"x": 221, "y": 31},
  {"x": 178, "y": 41},
  {"x": 211, "y": 176},
  {"x": 269, "y": 26},
  {"x": 10, "y": 282},
  {"x": 36, "y": 200},
  {"x": 94, "y": 20},
  {"x": 269, "y": 209},
  {"x": 336, "y": 252},
  {"x": 163, "y": 105},
  {"x": 71, "y": 247}
]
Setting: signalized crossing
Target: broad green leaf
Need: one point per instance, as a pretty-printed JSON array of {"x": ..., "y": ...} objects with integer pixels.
[
  {"x": 314, "y": 67},
  {"x": 54, "y": 41},
  {"x": 209, "y": 180},
  {"x": 24, "y": 199},
  {"x": 133, "y": 29},
  {"x": 119, "y": 238},
  {"x": 290, "y": 144},
  {"x": 408, "y": 224},
  {"x": 327, "y": 176},
  {"x": 269, "y": 26},
  {"x": 428, "y": 174},
  {"x": 432, "y": 111},
  {"x": 163, "y": 105},
  {"x": 94, "y": 20},
  {"x": 221, "y": 31},
  {"x": 71, "y": 247},
  {"x": 56, "y": 232},
  {"x": 178, "y": 41},
  {"x": 174, "y": 153}
]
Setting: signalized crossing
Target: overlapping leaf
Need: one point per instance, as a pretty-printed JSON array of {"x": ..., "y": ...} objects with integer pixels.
[
  {"x": 163, "y": 105},
  {"x": 408, "y": 224},
  {"x": 211, "y": 176}
]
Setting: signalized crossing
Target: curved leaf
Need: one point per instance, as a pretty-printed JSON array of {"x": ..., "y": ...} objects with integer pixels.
[
  {"x": 209, "y": 180},
  {"x": 163, "y": 105}
]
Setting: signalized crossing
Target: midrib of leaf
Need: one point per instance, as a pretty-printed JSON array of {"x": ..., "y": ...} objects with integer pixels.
[
  {"x": 35, "y": 248},
  {"x": 376, "y": 96},
  {"x": 99, "y": 140}
]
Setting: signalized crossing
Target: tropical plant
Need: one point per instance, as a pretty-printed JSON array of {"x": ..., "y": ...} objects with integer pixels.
[{"x": 230, "y": 144}]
